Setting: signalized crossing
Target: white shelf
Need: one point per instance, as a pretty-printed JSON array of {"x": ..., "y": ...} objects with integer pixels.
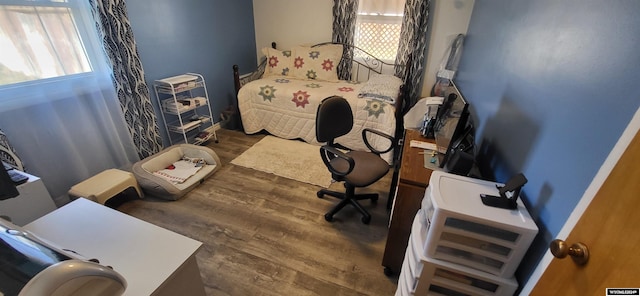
[
  {"x": 185, "y": 108},
  {"x": 185, "y": 127},
  {"x": 460, "y": 246},
  {"x": 183, "y": 104},
  {"x": 169, "y": 88},
  {"x": 203, "y": 137},
  {"x": 467, "y": 232},
  {"x": 175, "y": 80}
]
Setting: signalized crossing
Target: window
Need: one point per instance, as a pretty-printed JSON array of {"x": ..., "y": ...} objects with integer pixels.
[
  {"x": 42, "y": 39},
  {"x": 378, "y": 27}
]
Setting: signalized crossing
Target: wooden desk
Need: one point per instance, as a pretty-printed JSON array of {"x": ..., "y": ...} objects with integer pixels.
[
  {"x": 413, "y": 179},
  {"x": 153, "y": 260}
]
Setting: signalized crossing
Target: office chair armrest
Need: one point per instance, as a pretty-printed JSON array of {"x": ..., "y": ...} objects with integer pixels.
[
  {"x": 379, "y": 133},
  {"x": 325, "y": 152}
]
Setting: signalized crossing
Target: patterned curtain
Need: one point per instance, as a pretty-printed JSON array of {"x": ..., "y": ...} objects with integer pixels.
[
  {"x": 115, "y": 32},
  {"x": 413, "y": 42},
  {"x": 344, "y": 28},
  {"x": 8, "y": 153}
]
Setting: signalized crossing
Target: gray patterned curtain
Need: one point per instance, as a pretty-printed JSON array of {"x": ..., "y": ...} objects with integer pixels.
[
  {"x": 8, "y": 153},
  {"x": 115, "y": 32},
  {"x": 413, "y": 42},
  {"x": 344, "y": 28}
]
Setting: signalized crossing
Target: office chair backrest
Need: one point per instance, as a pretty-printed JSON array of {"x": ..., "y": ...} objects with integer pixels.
[{"x": 334, "y": 118}]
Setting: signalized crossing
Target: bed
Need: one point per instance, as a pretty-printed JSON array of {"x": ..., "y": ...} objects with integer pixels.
[{"x": 282, "y": 96}]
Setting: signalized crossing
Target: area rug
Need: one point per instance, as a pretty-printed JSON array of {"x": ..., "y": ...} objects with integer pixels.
[{"x": 290, "y": 159}]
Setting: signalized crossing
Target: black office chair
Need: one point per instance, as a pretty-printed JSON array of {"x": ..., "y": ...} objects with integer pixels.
[{"x": 356, "y": 168}]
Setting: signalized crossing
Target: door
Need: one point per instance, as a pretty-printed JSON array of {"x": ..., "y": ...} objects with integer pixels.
[{"x": 609, "y": 227}]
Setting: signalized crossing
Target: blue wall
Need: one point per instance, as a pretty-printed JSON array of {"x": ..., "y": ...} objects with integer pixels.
[
  {"x": 201, "y": 36},
  {"x": 552, "y": 85}
]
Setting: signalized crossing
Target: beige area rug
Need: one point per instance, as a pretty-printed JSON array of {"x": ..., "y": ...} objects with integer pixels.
[{"x": 291, "y": 159}]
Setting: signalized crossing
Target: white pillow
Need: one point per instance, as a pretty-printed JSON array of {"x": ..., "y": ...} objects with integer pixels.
[{"x": 381, "y": 87}]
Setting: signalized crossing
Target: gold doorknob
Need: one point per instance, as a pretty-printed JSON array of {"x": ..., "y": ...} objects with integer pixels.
[{"x": 578, "y": 251}]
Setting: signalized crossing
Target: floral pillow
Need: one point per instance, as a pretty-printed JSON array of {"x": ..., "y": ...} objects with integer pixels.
[
  {"x": 279, "y": 63},
  {"x": 316, "y": 63}
]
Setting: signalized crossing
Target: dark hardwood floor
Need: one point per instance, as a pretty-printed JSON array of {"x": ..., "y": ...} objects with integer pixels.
[{"x": 266, "y": 235}]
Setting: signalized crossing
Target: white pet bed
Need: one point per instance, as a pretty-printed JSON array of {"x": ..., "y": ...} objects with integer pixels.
[{"x": 155, "y": 185}]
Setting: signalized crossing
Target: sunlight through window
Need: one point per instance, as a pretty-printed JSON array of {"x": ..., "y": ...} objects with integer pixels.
[
  {"x": 40, "y": 40},
  {"x": 378, "y": 27}
]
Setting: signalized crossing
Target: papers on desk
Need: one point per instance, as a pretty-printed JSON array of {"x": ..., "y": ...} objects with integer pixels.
[
  {"x": 430, "y": 158},
  {"x": 422, "y": 145}
]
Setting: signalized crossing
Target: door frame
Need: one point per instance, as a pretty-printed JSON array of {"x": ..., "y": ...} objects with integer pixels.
[{"x": 603, "y": 173}]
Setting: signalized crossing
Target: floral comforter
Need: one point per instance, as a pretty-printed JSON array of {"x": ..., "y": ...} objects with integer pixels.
[{"x": 286, "y": 108}]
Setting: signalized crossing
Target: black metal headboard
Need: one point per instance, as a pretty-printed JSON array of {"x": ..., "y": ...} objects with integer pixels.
[{"x": 363, "y": 64}]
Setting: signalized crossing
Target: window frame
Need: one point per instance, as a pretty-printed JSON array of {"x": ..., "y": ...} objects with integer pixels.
[{"x": 84, "y": 24}]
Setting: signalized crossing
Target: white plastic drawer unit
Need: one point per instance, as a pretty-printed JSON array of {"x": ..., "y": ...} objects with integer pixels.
[
  {"x": 412, "y": 265},
  {"x": 445, "y": 278},
  {"x": 422, "y": 275},
  {"x": 465, "y": 231}
]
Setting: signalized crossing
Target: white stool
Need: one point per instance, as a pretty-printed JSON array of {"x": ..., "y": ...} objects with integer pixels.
[{"x": 105, "y": 185}]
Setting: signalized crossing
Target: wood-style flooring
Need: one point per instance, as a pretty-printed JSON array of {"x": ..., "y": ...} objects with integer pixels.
[{"x": 266, "y": 235}]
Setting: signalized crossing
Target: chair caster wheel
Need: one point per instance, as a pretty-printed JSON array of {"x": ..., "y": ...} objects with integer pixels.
[
  {"x": 387, "y": 271},
  {"x": 320, "y": 194},
  {"x": 366, "y": 220},
  {"x": 328, "y": 217}
]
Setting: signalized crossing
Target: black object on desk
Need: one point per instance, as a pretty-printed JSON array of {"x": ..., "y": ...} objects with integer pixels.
[
  {"x": 508, "y": 194},
  {"x": 7, "y": 186},
  {"x": 16, "y": 177}
]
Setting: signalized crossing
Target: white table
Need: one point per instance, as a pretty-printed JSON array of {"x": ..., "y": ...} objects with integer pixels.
[
  {"x": 153, "y": 260},
  {"x": 33, "y": 202}
]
